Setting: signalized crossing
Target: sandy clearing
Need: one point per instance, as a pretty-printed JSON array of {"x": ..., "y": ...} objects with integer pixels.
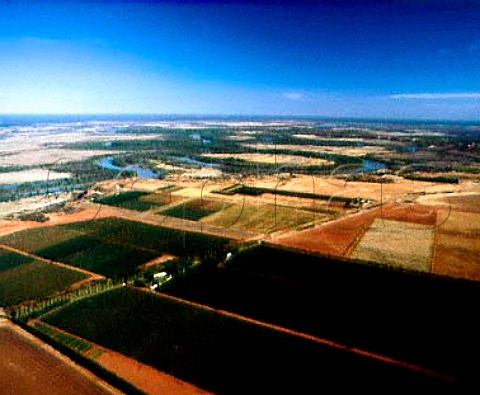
[
  {"x": 17, "y": 177},
  {"x": 340, "y": 187},
  {"x": 86, "y": 212},
  {"x": 202, "y": 173},
  {"x": 41, "y": 156},
  {"x": 32, "y": 203},
  {"x": 43, "y": 146}
]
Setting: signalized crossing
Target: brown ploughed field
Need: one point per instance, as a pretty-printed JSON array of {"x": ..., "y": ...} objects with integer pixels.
[
  {"x": 28, "y": 366},
  {"x": 457, "y": 252}
]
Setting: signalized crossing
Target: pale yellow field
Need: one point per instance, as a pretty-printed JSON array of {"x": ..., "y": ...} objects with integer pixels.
[
  {"x": 369, "y": 190},
  {"x": 271, "y": 158},
  {"x": 350, "y": 151},
  {"x": 401, "y": 244},
  {"x": 324, "y": 138}
]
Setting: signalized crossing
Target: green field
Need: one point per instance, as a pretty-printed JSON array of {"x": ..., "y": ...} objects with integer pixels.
[
  {"x": 10, "y": 260},
  {"x": 216, "y": 352},
  {"x": 195, "y": 209},
  {"x": 138, "y": 200},
  {"x": 23, "y": 278},
  {"x": 35, "y": 239},
  {"x": 63, "y": 338},
  {"x": 111, "y": 246},
  {"x": 365, "y": 306},
  {"x": 260, "y": 218}
]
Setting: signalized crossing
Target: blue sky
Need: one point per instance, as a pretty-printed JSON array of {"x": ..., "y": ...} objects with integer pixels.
[{"x": 392, "y": 59}]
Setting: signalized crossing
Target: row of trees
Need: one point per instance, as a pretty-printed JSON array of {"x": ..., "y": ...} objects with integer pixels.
[{"x": 31, "y": 310}]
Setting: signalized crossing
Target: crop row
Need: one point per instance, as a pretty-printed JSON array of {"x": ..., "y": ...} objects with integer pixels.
[
  {"x": 358, "y": 305},
  {"x": 111, "y": 246},
  {"x": 23, "y": 278},
  {"x": 217, "y": 352}
]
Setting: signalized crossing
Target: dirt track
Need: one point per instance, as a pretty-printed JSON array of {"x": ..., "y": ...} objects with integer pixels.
[{"x": 28, "y": 366}]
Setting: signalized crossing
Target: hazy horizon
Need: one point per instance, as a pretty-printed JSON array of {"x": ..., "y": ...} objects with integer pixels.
[
  {"x": 213, "y": 116},
  {"x": 401, "y": 60}
]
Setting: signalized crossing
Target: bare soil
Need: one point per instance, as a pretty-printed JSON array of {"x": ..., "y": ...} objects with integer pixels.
[
  {"x": 144, "y": 377},
  {"x": 457, "y": 252},
  {"x": 29, "y": 366}
]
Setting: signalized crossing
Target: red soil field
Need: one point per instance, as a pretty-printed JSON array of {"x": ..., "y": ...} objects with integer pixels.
[
  {"x": 467, "y": 203},
  {"x": 28, "y": 366},
  {"x": 410, "y": 212},
  {"x": 340, "y": 237},
  {"x": 457, "y": 263},
  {"x": 333, "y": 238},
  {"x": 144, "y": 377},
  {"x": 457, "y": 248}
]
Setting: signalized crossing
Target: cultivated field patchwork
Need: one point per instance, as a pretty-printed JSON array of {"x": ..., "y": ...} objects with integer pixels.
[{"x": 110, "y": 246}]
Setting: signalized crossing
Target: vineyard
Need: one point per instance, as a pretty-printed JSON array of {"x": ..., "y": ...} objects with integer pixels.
[
  {"x": 364, "y": 306},
  {"x": 259, "y": 217},
  {"x": 215, "y": 351},
  {"x": 111, "y": 246},
  {"x": 196, "y": 209},
  {"x": 138, "y": 200},
  {"x": 23, "y": 278}
]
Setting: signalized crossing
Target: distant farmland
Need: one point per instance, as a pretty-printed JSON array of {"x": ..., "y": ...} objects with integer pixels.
[
  {"x": 111, "y": 246},
  {"x": 196, "y": 209},
  {"x": 23, "y": 278},
  {"x": 138, "y": 200}
]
